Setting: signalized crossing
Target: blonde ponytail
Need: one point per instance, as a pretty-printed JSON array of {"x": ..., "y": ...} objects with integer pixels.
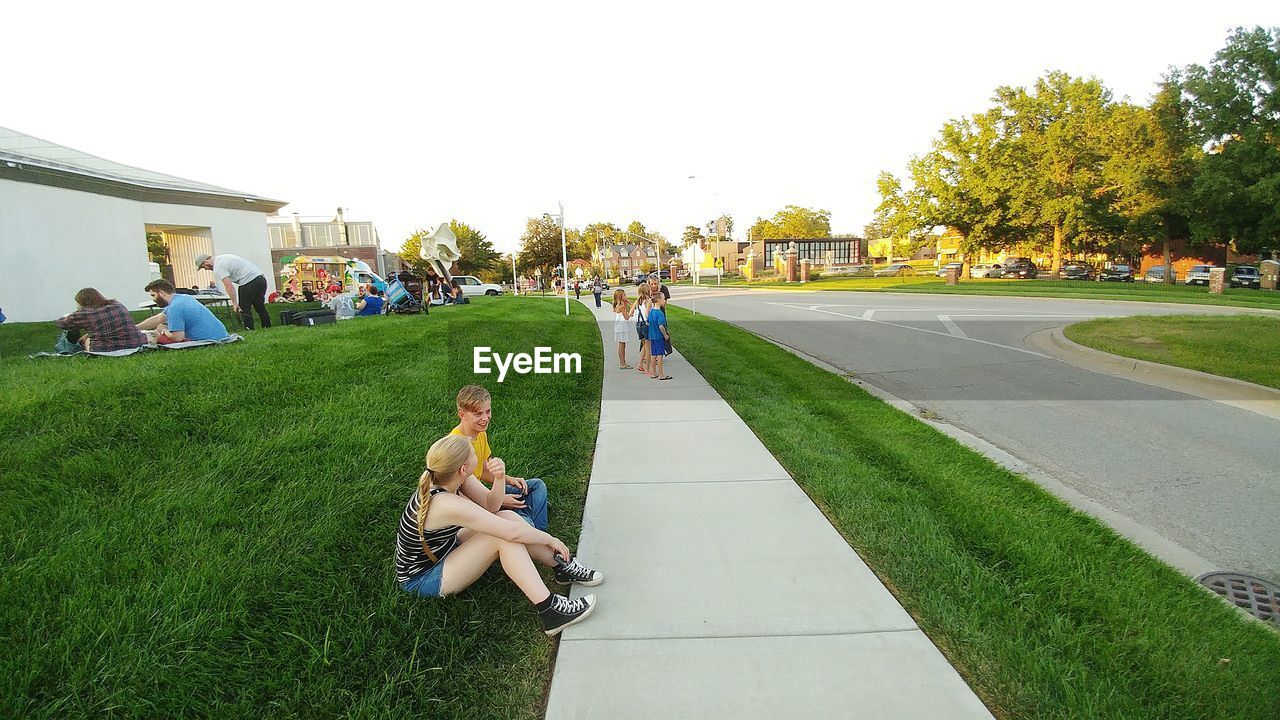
[{"x": 444, "y": 459}]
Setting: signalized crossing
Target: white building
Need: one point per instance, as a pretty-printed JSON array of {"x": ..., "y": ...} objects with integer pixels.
[{"x": 70, "y": 220}]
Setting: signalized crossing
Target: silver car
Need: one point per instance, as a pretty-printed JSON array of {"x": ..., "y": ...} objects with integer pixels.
[
  {"x": 985, "y": 270},
  {"x": 1198, "y": 275}
]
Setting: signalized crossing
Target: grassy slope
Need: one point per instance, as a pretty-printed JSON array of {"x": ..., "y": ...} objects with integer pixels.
[
  {"x": 1141, "y": 292},
  {"x": 211, "y": 532},
  {"x": 1245, "y": 347},
  {"x": 1046, "y": 613}
]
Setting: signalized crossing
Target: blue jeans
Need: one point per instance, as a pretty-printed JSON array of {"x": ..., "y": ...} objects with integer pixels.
[
  {"x": 426, "y": 584},
  {"x": 535, "y": 502}
]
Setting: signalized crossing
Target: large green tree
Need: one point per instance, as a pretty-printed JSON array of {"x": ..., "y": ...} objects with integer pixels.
[
  {"x": 478, "y": 254},
  {"x": 540, "y": 246},
  {"x": 1151, "y": 169},
  {"x": 1235, "y": 109},
  {"x": 1056, "y": 135},
  {"x": 791, "y": 222}
]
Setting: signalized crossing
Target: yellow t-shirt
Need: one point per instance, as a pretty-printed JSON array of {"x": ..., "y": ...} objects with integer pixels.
[{"x": 481, "y": 445}]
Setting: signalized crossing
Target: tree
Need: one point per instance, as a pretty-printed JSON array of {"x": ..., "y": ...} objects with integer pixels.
[
  {"x": 1055, "y": 146},
  {"x": 1235, "y": 111},
  {"x": 720, "y": 226},
  {"x": 478, "y": 254},
  {"x": 411, "y": 252},
  {"x": 540, "y": 245},
  {"x": 692, "y": 236},
  {"x": 1152, "y": 168},
  {"x": 157, "y": 252},
  {"x": 791, "y": 222}
]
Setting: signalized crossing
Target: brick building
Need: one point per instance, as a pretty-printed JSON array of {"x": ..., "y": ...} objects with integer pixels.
[{"x": 355, "y": 239}]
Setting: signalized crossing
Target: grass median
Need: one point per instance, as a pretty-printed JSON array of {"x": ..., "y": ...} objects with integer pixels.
[
  {"x": 1072, "y": 289},
  {"x": 1046, "y": 612},
  {"x": 211, "y": 532},
  {"x": 1245, "y": 347}
]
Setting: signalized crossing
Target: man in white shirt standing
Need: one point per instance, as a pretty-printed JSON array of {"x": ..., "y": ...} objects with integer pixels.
[{"x": 244, "y": 284}]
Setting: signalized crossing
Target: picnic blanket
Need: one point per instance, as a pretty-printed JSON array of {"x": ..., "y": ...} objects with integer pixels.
[{"x": 121, "y": 353}]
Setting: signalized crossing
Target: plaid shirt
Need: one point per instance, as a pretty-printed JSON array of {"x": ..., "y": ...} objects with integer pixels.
[{"x": 109, "y": 327}]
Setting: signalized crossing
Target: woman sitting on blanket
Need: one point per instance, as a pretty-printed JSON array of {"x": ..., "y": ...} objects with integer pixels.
[
  {"x": 446, "y": 540},
  {"x": 101, "y": 325}
]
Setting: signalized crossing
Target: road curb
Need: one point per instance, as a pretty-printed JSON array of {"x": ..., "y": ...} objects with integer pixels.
[
  {"x": 1248, "y": 396},
  {"x": 1173, "y": 554}
]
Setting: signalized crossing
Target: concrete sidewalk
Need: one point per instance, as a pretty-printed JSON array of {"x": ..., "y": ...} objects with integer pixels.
[{"x": 727, "y": 593}]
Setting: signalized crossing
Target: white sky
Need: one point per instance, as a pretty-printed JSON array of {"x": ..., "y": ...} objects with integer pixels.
[{"x": 492, "y": 112}]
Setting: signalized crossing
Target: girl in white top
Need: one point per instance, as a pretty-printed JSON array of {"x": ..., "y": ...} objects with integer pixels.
[{"x": 621, "y": 325}]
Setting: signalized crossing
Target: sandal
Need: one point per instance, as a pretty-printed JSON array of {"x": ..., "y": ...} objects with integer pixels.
[
  {"x": 624, "y": 367},
  {"x": 665, "y": 377}
]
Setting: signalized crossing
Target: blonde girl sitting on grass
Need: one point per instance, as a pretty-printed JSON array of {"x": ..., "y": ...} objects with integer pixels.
[
  {"x": 621, "y": 321},
  {"x": 446, "y": 542}
]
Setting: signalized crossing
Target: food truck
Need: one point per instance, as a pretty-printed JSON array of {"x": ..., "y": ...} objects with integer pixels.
[{"x": 317, "y": 272}]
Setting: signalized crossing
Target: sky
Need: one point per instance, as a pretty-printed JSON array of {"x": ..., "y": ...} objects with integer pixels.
[{"x": 667, "y": 112}]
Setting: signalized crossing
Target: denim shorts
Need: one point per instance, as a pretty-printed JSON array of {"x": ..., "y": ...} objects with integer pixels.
[{"x": 426, "y": 584}]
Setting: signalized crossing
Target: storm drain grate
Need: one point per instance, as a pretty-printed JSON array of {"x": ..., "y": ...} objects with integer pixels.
[{"x": 1258, "y": 597}]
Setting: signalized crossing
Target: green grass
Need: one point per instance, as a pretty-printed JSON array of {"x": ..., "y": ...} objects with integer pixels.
[
  {"x": 1245, "y": 347},
  {"x": 211, "y": 532},
  {"x": 1076, "y": 289},
  {"x": 1045, "y": 612}
]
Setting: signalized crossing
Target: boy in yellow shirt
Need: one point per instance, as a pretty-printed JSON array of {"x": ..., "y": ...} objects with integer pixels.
[{"x": 527, "y": 498}]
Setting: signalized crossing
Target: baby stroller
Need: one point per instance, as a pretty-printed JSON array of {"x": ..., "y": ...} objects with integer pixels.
[{"x": 404, "y": 293}]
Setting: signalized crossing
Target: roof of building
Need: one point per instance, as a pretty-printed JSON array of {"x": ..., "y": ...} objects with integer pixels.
[{"x": 30, "y": 159}]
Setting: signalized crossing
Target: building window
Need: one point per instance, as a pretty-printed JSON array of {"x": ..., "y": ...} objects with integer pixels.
[
  {"x": 320, "y": 236},
  {"x": 282, "y": 236}
]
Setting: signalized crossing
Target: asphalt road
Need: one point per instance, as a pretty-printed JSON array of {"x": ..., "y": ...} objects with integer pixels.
[{"x": 1199, "y": 473}]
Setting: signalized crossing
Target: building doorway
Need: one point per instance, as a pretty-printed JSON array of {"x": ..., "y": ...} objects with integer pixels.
[{"x": 174, "y": 249}]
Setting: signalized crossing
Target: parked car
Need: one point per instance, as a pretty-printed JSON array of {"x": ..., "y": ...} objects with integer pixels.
[
  {"x": 1198, "y": 275},
  {"x": 1073, "y": 270},
  {"x": 1020, "y": 267},
  {"x": 472, "y": 286},
  {"x": 986, "y": 270},
  {"x": 1116, "y": 273},
  {"x": 1246, "y": 276},
  {"x": 942, "y": 271},
  {"x": 896, "y": 270},
  {"x": 1155, "y": 274},
  {"x": 850, "y": 270}
]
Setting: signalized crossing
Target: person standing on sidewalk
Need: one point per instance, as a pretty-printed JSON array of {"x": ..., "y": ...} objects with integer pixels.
[
  {"x": 621, "y": 325},
  {"x": 658, "y": 337},
  {"x": 596, "y": 289},
  {"x": 445, "y": 543},
  {"x": 656, "y": 286},
  {"x": 250, "y": 291},
  {"x": 642, "y": 327}
]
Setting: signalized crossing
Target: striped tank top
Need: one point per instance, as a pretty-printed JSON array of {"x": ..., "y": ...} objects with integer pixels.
[{"x": 410, "y": 559}]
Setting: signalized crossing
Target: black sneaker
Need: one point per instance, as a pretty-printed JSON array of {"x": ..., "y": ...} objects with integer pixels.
[
  {"x": 565, "y": 612},
  {"x": 575, "y": 572}
]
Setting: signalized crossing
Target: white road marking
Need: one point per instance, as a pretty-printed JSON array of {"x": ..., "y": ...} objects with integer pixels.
[
  {"x": 951, "y": 327},
  {"x": 908, "y": 327}
]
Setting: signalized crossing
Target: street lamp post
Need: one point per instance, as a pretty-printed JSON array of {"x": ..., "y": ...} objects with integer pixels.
[
  {"x": 564, "y": 254},
  {"x": 515, "y": 281}
]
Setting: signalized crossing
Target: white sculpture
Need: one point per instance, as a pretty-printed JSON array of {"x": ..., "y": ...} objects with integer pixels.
[{"x": 440, "y": 249}]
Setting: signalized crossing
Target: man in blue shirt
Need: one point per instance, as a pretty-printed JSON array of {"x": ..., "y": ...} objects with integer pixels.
[{"x": 184, "y": 318}]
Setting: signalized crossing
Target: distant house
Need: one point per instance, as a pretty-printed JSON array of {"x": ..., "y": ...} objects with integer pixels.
[
  {"x": 1184, "y": 258},
  {"x": 628, "y": 259},
  {"x": 70, "y": 220},
  {"x": 355, "y": 239}
]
